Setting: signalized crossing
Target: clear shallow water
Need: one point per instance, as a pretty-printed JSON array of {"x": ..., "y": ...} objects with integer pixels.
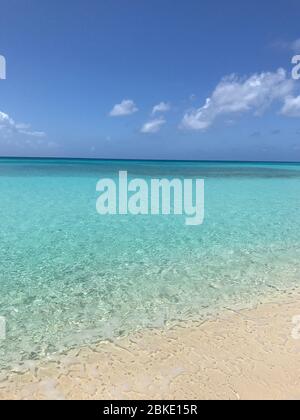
[{"x": 69, "y": 276}]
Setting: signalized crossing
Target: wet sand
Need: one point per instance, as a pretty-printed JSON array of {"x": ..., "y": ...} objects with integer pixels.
[{"x": 247, "y": 354}]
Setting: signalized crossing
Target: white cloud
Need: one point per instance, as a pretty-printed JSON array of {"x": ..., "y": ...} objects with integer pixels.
[
  {"x": 291, "y": 107},
  {"x": 162, "y": 107},
  {"x": 234, "y": 96},
  {"x": 6, "y": 123},
  {"x": 9, "y": 127},
  {"x": 153, "y": 126},
  {"x": 126, "y": 107}
]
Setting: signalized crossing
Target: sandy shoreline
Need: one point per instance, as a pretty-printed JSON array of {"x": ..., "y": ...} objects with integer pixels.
[{"x": 249, "y": 354}]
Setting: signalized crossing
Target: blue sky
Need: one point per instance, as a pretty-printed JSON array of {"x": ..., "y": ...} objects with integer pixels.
[{"x": 83, "y": 78}]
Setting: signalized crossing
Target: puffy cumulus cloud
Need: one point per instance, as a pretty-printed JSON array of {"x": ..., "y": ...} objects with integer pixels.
[
  {"x": 153, "y": 126},
  {"x": 234, "y": 96},
  {"x": 291, "y": 107},
  {"x": 162, "y": 107},
  {"x": 8, "y": 127},
  {"x": 126, "y": 107}
]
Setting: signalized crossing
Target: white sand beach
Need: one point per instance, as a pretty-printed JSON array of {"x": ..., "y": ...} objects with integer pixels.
[{"x": 249, "y": 354}]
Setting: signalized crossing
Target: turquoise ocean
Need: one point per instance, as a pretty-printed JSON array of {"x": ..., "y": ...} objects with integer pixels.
[{"x": 70, "y": 277}]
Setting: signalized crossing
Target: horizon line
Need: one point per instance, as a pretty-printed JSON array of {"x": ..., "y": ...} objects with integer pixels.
[{"x": 144, "y": 160}]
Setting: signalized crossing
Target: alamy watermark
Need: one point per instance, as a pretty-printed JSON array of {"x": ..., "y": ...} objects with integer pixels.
[
  {"x": 2, "y": 68},
  {"x": 155, "y": 197},
  {"x": 2, "y": 77},
  {"x": 296, "y": 329},
  {"x": 2, "y": 328},
  {"x": 296, "y": 69}
]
